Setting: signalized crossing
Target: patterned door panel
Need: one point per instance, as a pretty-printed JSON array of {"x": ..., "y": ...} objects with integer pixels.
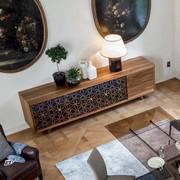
[{"x": 69, "y": 106}]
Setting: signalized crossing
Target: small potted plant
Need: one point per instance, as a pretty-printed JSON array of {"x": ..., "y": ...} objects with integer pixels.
[
  {"x": 73, "y": 76},
  {"x": 57, "y": 54}
]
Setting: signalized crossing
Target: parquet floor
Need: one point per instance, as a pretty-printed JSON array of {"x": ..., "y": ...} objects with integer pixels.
[{"x": 83, "y": 135}]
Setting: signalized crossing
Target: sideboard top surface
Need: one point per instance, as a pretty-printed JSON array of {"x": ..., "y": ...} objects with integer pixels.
[{"x": 43, "y": 91}]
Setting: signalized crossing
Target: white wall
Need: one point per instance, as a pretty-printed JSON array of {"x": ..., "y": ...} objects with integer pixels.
[
  {"x": 176, "y": 46},
  {"x": 71, "y": 23},
  {"x": 157, "y": 40}
]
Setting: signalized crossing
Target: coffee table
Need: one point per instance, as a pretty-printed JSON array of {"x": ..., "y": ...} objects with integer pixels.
[
  {"x": 171, "y": 154},
  {"x": 136, "y": 135}
]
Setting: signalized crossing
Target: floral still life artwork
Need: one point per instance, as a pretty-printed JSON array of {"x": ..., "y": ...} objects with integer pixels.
[
  {"x": 21, "y": 33},
  {"x": 127, "y": 18}
]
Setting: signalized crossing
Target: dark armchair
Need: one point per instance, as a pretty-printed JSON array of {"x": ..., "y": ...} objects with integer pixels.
[{"x": 29, "y": 170}]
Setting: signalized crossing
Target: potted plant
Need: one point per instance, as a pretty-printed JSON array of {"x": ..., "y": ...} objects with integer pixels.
[
  {"x": 57, "y": 54},
  {"x": 73, "y": 76}
]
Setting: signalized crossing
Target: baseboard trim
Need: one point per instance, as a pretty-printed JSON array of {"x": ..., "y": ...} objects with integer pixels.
[
  {"x": 178, "y": 77},
  {"x": 16, "y": 129},
  {"x": 165, "y": 79}
]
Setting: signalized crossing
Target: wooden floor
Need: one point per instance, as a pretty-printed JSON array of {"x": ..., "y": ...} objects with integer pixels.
[{"x": 83, "y": 135}]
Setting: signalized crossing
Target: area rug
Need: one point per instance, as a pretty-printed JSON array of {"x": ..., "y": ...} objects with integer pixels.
[{"x": 117, "y": 157}]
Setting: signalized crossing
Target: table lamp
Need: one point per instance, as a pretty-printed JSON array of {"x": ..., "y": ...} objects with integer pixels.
[{"x": 114, "y": 48}]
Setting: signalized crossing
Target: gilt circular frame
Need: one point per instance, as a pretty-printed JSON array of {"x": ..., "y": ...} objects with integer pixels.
[
  {"x": 44, "y": 30},
  {"x": 99, "y": 25}
]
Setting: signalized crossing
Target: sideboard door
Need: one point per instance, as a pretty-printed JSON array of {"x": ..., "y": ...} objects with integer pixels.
[
  {"x": 81, "y": 103},
  {"x": 141, "y": 83}
]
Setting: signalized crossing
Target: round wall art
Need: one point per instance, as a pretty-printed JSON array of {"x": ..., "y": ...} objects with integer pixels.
[
  {"x": 23, "y": 34},
  {"x": 127, "y": 18}
]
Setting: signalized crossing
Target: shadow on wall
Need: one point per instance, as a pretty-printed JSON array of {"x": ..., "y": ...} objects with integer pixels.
[{"x": 98, "y": 60}]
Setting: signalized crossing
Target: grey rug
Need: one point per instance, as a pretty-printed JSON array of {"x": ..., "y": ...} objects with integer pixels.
[{"x": 117, "y": 157}]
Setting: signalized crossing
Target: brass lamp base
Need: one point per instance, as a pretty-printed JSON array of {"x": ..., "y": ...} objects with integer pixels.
[{"x": 115, "y": 64}]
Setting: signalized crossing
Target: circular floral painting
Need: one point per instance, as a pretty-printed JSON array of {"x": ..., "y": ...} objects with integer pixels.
[
  {"x": 127, "y": 18},
  {"x": 22, "y": 33}
]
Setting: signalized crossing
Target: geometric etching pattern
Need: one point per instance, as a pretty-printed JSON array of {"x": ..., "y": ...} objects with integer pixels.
[{"x": 81, "y": 102}]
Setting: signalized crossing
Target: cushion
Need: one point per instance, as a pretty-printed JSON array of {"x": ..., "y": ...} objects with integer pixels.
[
  {"x": 5, "y": 148},
  {"x": 16, "y": 158}
]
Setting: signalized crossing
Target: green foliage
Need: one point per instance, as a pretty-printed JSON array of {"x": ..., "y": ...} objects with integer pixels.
[
  {"x": 73, "y": 73},
  {"x": 57, "y": 53}
]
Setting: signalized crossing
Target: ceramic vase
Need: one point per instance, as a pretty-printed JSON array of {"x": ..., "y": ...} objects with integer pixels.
[
  {"x": 84, "y": 65},
  {"x": 91, "y": 71}
]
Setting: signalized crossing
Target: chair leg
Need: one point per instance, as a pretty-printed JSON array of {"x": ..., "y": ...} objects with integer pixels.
[{"x": 40, "y": 177}]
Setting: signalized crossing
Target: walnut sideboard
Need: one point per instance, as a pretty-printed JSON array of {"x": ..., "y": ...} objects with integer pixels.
[{"x": 48, "y": 106}]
